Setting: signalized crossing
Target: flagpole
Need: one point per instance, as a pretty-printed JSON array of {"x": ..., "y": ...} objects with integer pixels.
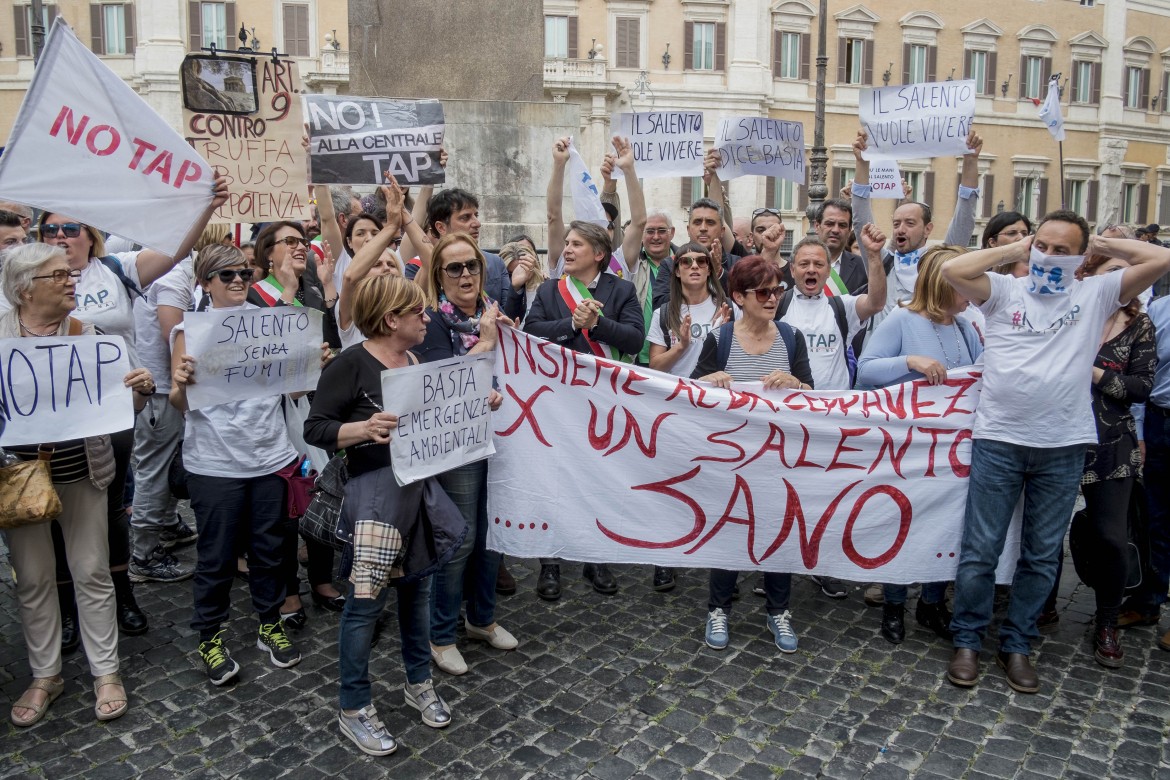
[{"x": 1063, "y": 203}]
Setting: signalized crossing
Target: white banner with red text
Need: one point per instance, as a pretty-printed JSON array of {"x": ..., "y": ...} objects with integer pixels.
[{"x": 607, "y": 462}]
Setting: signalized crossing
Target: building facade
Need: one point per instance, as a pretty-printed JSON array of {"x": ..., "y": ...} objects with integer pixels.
[
  {"x": 758, "y": 57},
  {"x": 145, "y": 41}
]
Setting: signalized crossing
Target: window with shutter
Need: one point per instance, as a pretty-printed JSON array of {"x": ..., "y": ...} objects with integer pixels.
[
  {"x": 703, "y": 46},
  {"x": 556, "y": 37},
  {"x": 1164, "y": 205},
  {"x": 296, "y": 29},
  {"x": 988, "y": 194},
  {"x": 113, "y": 29},
  {"x": 629, "y": 42},
  {"x": 720, "y": 45},
  {"x": 790, "y": 55},
  {"x": 23, "y": 19}
]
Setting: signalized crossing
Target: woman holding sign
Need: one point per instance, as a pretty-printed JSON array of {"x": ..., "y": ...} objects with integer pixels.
[
  {"x": 593, "y": 312},
  {"x": 462, "y": 321},
  {"x": 755, "y": 348},
  {"x": 233, "y": 453},
  {"x": 41, "y": 284},
  {"x": 924, "y": 339},
  {"x": 400, "y": 534}
]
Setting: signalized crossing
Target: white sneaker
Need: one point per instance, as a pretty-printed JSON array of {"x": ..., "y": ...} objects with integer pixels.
[
  {"x": 496, "y": 636},
  {"x": 449, "y": 660}
]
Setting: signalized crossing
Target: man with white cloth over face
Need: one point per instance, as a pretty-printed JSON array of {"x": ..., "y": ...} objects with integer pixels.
[{"x": 1034, "y": 421}]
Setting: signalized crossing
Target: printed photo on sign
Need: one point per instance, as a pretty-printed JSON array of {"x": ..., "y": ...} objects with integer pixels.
[
  {"x": 219, "y": 85},
  {"x": 62, "y": 388},
  {"x": 917, "y": 120},
  {"x": 444, "y": 416},
  {"x": 355, "y": 140}
]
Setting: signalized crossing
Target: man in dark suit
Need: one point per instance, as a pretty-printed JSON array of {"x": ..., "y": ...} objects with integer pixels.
[
  {"x": 593, "y": 312},
  {"x": 834, "y": 226}
]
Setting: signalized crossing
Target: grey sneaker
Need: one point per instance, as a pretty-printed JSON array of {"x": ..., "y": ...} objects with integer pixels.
[
  {"x": 178, "y": 535},
  {"x": 272, "y": 639},
  {"x": 367, "y": 731},
  {"x": 435, "y": 712},
  {"x": 161, "y": 567},
  {"x": 221, "y": 668}
]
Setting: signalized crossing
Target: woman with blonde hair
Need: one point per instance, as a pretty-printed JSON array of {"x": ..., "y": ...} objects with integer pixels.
[
  {"x": 923, "y": 339},
  {"x": 400, "y": 534}
]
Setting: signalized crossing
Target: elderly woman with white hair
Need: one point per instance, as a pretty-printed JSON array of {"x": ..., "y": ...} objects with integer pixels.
[{"x": 41, "y": 286}]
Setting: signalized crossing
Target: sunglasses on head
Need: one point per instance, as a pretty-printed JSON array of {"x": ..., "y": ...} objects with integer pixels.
[
  {"x": 764, "y": 293},
  {"x": 226, "y": 275},
  {"x": 71, "y": 229},
  {"x": 292, "y": 242},
  {"x": 700, "y": 261},
  {"x": 759, "y": 212},
  {"x": 455, "y": 270}
]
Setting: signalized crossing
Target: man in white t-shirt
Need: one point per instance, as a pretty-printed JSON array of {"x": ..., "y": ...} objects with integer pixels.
[
  {"x": 810, "y": 308},
  {"x": 1034, "y": 421}
]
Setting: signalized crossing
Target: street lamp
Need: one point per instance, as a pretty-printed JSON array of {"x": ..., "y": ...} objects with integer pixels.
[{"x": 819, "y": 156}]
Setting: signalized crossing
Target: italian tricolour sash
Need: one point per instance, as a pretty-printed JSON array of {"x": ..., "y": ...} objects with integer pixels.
[
  {"x": 834, "y": 285},
  {"x": 270, "y": 291},
  {"x": 572, "y": 293}
]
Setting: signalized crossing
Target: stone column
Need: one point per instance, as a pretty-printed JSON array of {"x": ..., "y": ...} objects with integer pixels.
[{"x": 160, "y": 51}]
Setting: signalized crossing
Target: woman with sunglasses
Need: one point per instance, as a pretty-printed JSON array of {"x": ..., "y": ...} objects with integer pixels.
[
  {"x": 41, "y": 285},
  {"x": 922, "y": 339},
  {"x": 697, "y": 304},
  {"x": 294, "y": 279},
  {"x": 378, "y": 514},
  {"x": 462, "y": 320},
  {"x": 233, "y": 453},
  {"x": 106, "y": 290},
  {"x": 761, "y": 350}
]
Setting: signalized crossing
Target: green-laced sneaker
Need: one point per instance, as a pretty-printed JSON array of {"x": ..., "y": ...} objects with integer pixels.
[
  {"x": 273, "y": 639},
  {"x": 220, "y": 666}
]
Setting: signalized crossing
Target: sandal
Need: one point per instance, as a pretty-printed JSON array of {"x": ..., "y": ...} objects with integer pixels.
[
  {"x": 52, "y": 686},
  {"x": 105, "y": 681}
]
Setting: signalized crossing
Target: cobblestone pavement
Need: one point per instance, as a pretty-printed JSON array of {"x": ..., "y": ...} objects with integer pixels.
[{"x": 610, "y": 687}]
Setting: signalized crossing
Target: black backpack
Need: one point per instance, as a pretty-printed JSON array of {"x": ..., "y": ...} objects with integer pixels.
[
  {"x": 726, "y": 334},
  {"x": 115, "y": 266}
]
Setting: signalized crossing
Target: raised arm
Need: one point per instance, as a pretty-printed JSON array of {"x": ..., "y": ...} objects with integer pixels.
[
  {"x": 874, "y": 298},
  {"x": 632, "y": 242},
  {"x": 711, "y": 182},
  {"x": 555, "y": 198},
  {"x": 367, "y": 257},
  {"x": 153, "y": 265},
  {"x": 963, "y": 221},
  {"x": 859, "y": 193},
  {"x": 1148, "y": 262},
  {"x": 327, "y": 219},
  {"x": 967, "y": 273}
]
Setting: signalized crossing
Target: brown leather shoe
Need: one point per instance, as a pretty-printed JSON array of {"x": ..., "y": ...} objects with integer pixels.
[
  {"x": 1164, "y": 642},
  {"x": 1107, "y": 647},
  {"x": 1132, "y": 618},
  {"x": 505, "y": 582},
  {"x": 1021, "y": 676},
  {"x": 963, "y": 670}
]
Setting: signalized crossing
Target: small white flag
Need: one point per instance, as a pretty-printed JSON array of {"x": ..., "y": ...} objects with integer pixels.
[
  {"x": 1050, "y": 111},
  {"x": 586, "y": 198}
]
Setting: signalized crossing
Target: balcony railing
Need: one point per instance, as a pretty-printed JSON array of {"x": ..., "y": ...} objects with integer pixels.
[
  {"x": 585, "y": 71},
  {"x": 335, "y": 62}
]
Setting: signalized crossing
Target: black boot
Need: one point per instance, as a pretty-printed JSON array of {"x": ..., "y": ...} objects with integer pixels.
[
  {"x": 131, "y": 620},
  {"x": 893, "y": 627},
  {"x": 601, "y": 577},
  {"x": 70, "y": 633},
  {"x": 548, "y": 587},
  {"x": 935, "y": 617}
]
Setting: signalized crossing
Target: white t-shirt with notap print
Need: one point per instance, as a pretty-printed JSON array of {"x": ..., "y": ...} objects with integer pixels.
[
  {"x": 105, "y": 302},
  {"x": 1038, "y": 361},
  {"x": 701, "y": 316},
  {"x": 815, "y": 318}
]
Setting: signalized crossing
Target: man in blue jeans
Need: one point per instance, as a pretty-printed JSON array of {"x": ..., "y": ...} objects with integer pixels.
[{"x": 1033, "y": 423}]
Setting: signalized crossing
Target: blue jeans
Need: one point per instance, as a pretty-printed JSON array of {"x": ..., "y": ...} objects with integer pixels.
[
  {"x": 721, "y": 587},
  {"x": 1048, "y": 478},
  {"x": 1152, "y": 592},
  {"x": 471, "y": 574},
  {"x": 357, "y": 630},
  {"x": 932, "y": 593}
]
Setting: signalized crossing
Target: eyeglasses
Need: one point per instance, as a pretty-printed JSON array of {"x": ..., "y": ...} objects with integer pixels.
[
  {"x": 764, "y": 293},
  {"x": 60, "y": 276},
  {"x": 455, "y": 270},
  {"x": 758, "y": 212},
  {"x": 690, "y": 261},
  {"x": 227, "y": 275},
  {"x": 1016, "y": 234},
  {"x": 412, "y": 311},
  {"x": 396, "y": 242},
  {"x": 292, "y": 242},
  {"x": 656, "y": 231},
  {"x": 71, "y": 229}
]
